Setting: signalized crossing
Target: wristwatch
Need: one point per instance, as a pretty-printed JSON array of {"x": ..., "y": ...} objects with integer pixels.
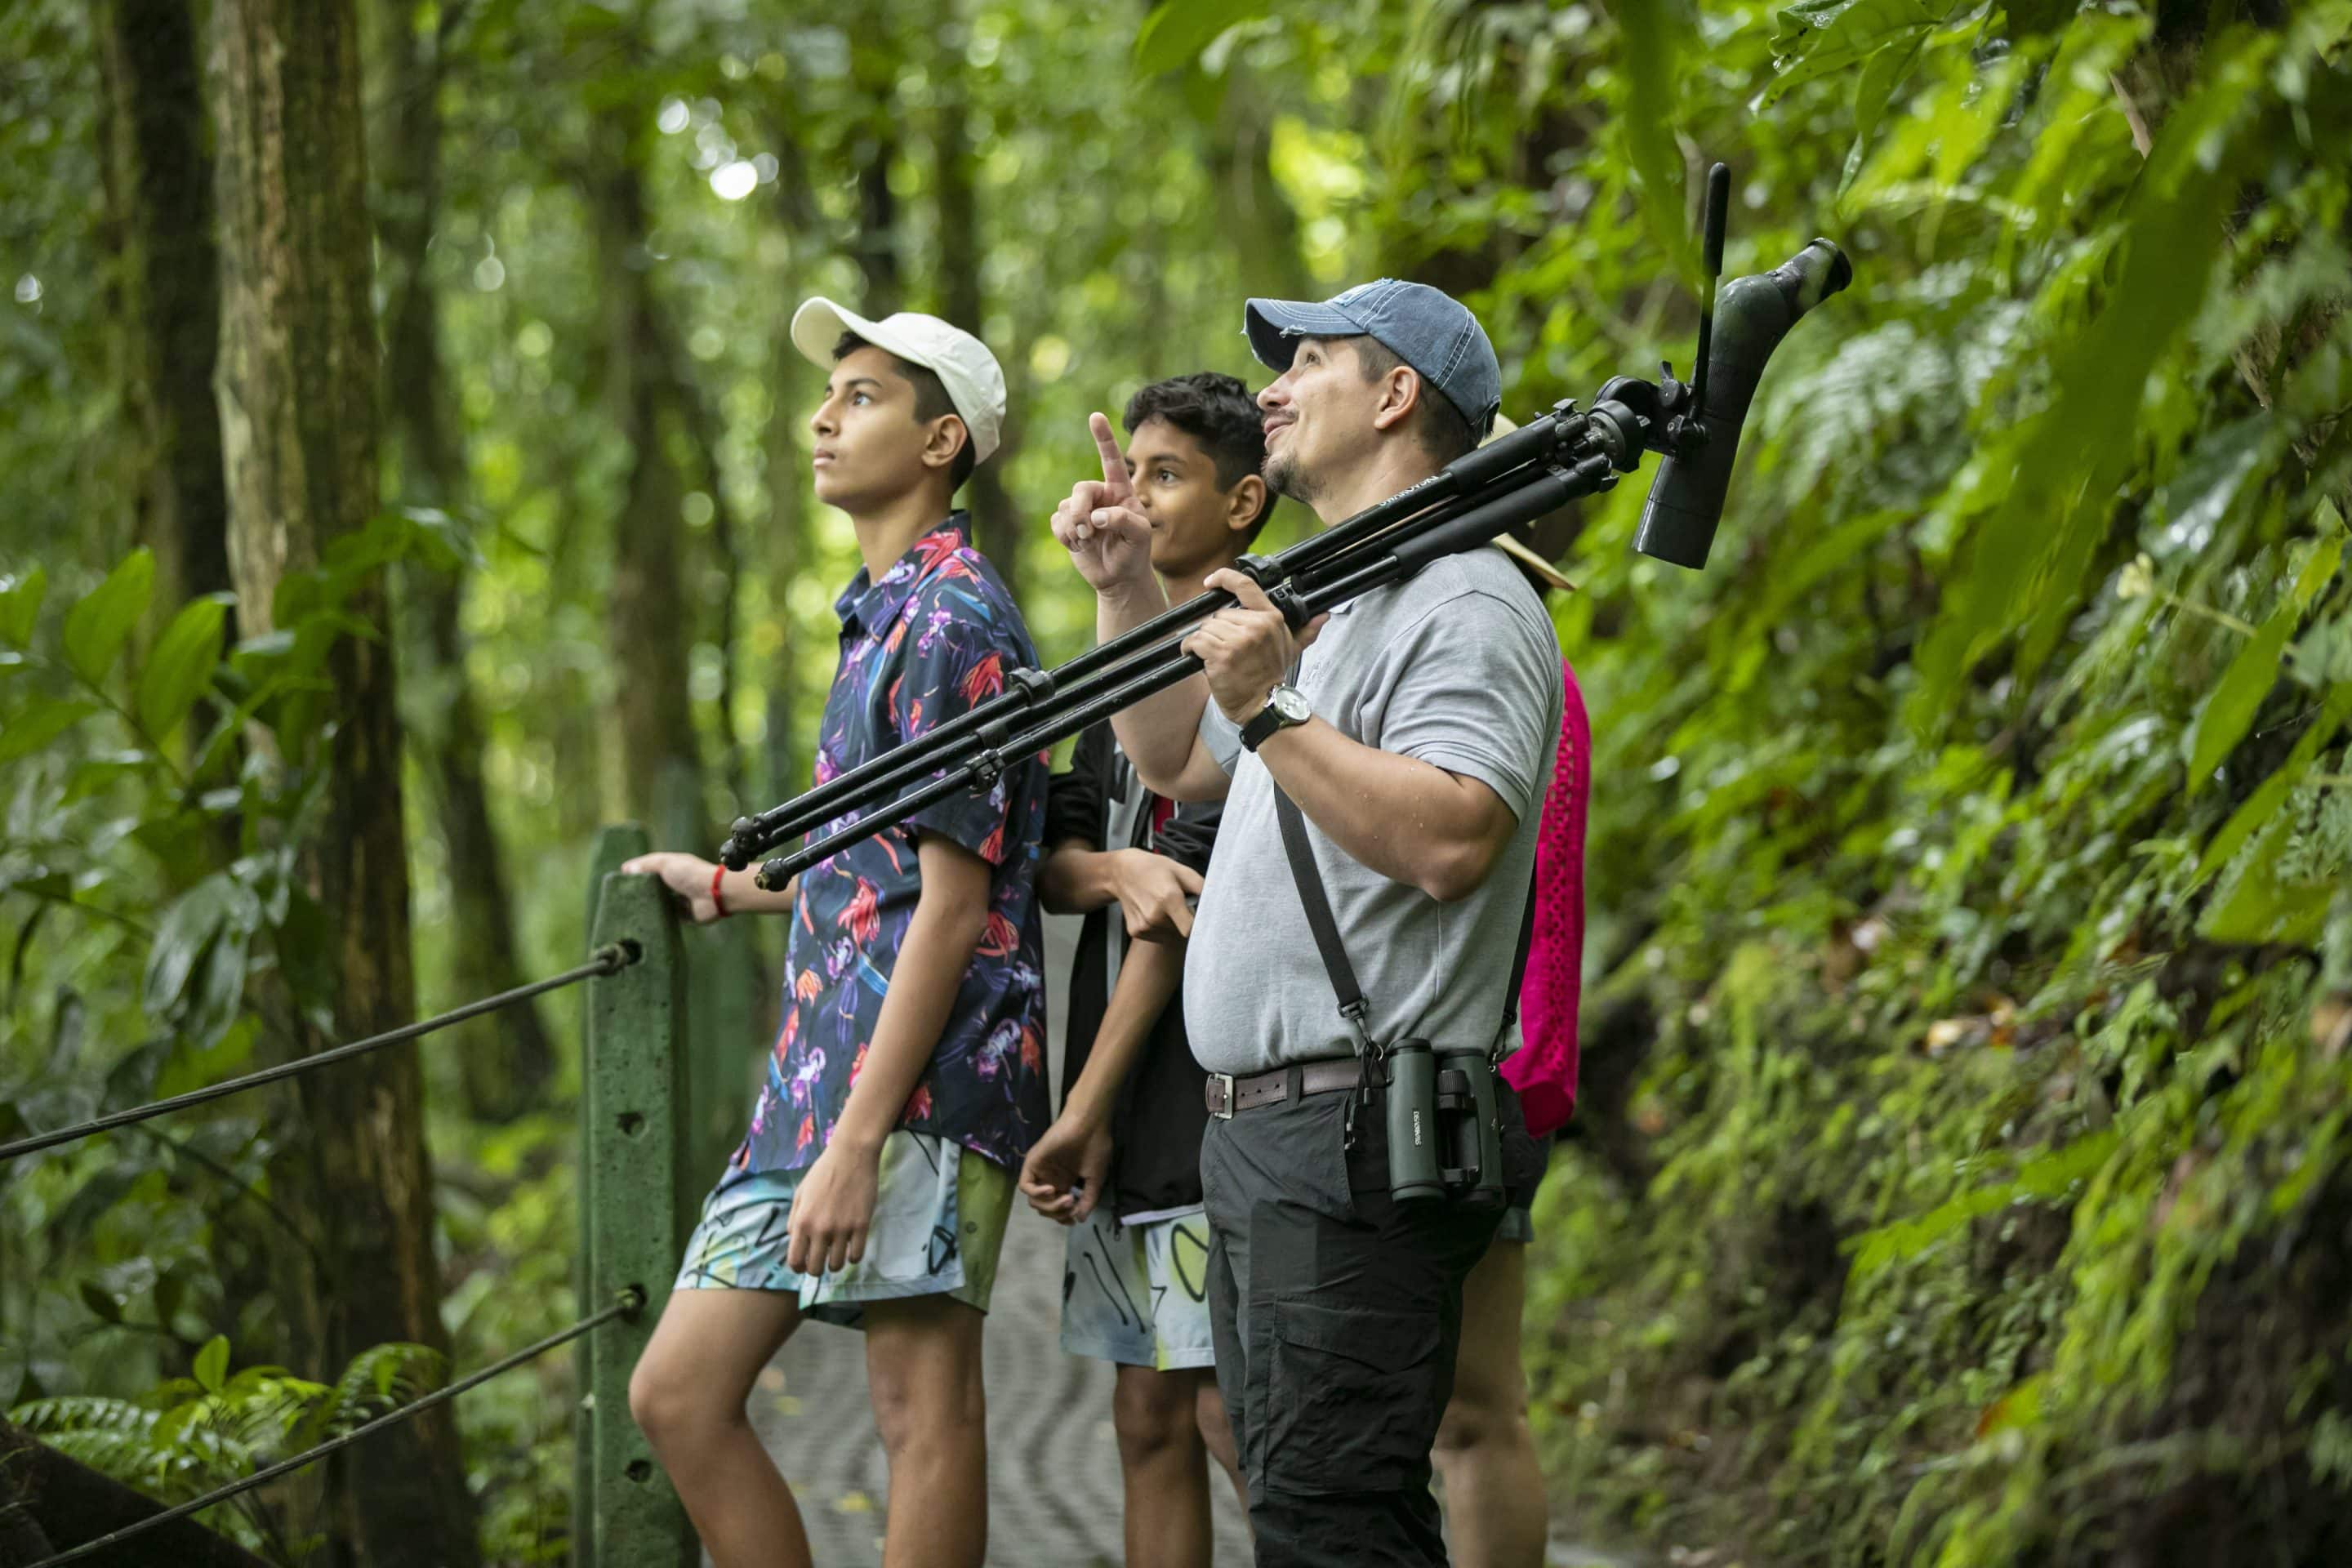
[{"x": 1286, "y": 708}]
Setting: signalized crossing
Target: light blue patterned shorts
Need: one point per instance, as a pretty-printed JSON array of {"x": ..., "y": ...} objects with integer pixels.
[
  {"x": 939, "y": 1224},
  {"x": 1137, "y": 1294}
]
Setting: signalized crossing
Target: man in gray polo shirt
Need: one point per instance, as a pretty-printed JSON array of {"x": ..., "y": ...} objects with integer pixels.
[{"x": 1415, "y": 729}]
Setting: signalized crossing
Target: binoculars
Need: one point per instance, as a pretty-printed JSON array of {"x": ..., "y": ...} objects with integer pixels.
[{"x": 1445, "y": 1132}]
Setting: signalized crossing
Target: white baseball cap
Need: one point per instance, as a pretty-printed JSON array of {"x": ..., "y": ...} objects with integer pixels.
[{"x": 974, "y": 381}]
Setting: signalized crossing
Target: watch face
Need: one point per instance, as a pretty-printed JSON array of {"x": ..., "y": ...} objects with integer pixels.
[{"x": 1290, "y": 702}]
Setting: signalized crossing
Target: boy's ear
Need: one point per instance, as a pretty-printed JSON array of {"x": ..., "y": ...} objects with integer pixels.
[
  {"x": 1244, "y": 502},
  {"x": 943, "y": 438}
]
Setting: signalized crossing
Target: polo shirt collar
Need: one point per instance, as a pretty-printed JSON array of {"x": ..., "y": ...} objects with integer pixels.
[{"x": 869, "y": 606}]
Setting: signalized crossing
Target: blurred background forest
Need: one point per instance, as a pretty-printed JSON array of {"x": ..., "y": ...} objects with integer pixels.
[{"x": 1964, "y": 1173}]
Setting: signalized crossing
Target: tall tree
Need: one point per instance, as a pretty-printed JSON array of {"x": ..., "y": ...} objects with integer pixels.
[
  {"x": 167, "y": 280},
  {"x": 297, "y": 395},
  {"x": 962, "y": 300},
  {"x": 507, "y": 1059},
  {"x": 660, "y": 759}
]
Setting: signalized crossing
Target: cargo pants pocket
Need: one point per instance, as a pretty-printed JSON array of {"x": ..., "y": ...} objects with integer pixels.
[{"x": 1353, "y": 1400}]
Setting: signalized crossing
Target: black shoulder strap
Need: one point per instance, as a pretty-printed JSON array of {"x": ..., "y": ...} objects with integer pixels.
[
  {"x": 1304, "y": 871},
  {"x": 1520, "y": 963}
]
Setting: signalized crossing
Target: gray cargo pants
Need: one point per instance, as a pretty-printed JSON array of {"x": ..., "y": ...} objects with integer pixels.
[{"x": 1335, "y": 1311}]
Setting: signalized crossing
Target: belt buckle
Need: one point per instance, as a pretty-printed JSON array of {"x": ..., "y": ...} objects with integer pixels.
[{"x": 1225, "y": 1111}]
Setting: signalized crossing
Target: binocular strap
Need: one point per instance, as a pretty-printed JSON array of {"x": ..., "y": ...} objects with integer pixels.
[{"x": 1311, "y": 893}]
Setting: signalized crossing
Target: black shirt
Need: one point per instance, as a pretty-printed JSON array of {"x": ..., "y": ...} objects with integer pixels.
[{"x": 1157, "y": 1119}]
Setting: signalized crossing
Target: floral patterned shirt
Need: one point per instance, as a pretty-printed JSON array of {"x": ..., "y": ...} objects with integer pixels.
[{"x": 933, "y": 639}]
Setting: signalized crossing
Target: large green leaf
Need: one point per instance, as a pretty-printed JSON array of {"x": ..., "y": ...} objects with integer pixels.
[
  {"x": 2231, "y": 709},
  {"x": 212, "y": 1363},
  {"x": 2022, "y": 570},
  {"x": 97, "y": 626},
  {"x": 2267, "y": 902},
  {"x": 20, "y": 606},
  {"x": 1817, "y": 38},
  {"x": 1888, "y": 69},
  {"x": 38, "y": 725},
  {"x": 1655, "y": 32},
  {"x": 1176, "y": 32},
  {"x": 196, "y": 968},
  {"x": 2263, "y": 806},
  {"x": 181, "y": 665}
]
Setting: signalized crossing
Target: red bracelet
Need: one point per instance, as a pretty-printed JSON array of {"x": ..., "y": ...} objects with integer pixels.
[{"x": 717, "y": 872}]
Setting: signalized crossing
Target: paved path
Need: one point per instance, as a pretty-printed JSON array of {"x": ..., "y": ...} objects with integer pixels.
[{"x": 1053, "y": 1487}]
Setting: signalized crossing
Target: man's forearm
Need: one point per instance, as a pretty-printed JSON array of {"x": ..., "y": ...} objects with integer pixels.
[
  {"x": 1409, "y": 820},
  {"x": 938, "y": 950},
  {"x": 1148, "y": 978}
]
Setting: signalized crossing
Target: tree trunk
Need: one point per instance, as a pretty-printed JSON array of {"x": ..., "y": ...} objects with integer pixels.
[
  {"x": 297, "y": 386},
  {"x": 875, "y": 243},
  {"x": 996, "y": 520},
  {"x": 508, "y": 1059},
  {"x": 167, "y": 282},
  {"x": 660, "y": 760}
]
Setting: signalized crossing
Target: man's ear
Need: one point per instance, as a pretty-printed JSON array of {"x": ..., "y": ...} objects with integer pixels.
[
  {"x": 946, "y": 437},
  {"x": 1400, "y": 396},
  {"x": 1244, "y": 502}
]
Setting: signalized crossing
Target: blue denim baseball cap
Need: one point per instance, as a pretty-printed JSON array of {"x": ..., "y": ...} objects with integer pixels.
[{"x": 1426, "y": 328}]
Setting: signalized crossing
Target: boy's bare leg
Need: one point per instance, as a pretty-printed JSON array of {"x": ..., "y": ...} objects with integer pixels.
[
  {"x": 922, "y": 1364},
  {"x": 1495, "y": 1512},
  {"x": 1166, "y": 1475},
  {"x": 1217, "y": 1433},
  {"x": 687, "y": 1396}
]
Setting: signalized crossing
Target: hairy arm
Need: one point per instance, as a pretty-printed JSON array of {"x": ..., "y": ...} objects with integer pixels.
[{"x": 1411, "y": 821}]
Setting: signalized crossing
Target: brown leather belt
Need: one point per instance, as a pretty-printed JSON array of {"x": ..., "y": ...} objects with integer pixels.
[{"x": 1225, "y": 1094}]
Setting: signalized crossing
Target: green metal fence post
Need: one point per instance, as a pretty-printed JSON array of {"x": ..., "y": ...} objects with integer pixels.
[
  {"x": 618, "y": 842},
  {"x": 637, "y": 1203}
]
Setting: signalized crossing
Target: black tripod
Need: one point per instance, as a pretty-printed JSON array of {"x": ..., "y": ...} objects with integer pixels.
[{"x": 1568, "y": 452}]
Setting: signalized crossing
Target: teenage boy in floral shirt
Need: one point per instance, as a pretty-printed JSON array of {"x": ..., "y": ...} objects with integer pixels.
[{"x": 908, "y": 1078}]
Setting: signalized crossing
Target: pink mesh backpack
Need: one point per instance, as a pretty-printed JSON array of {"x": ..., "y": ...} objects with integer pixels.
[{"x": 1543, "y": 1069}]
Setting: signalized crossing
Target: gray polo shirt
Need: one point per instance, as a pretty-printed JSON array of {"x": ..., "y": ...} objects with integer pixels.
[{"x": 1459, "y": 668}]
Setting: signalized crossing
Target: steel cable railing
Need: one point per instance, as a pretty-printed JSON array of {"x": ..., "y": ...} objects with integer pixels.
[
  {"x": 627, "y": 1304},
  {"x": 610, "y": 959}
]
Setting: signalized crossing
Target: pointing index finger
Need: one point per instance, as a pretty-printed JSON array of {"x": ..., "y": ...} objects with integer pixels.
[{"x": 1114, "y": 461}]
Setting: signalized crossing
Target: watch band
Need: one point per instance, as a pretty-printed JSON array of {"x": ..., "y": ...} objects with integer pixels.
[{"x": 1269, "y": 719}]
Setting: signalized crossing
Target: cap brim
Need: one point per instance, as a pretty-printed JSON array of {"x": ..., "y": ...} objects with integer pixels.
[
  {"x": 1275, "y": 326},
  {"x": 1550, "y": 574},
  {"x": 818, "y": 324}
]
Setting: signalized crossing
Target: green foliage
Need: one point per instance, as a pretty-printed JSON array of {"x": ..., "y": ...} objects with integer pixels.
[
  {"x": 193, "y": 1435},
  {"x": 1968, "y": 847},
  {"x": 1966, "y": 1106}
]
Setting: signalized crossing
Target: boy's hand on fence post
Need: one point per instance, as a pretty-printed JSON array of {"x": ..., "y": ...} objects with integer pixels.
[{"x": 687, "y": 876}]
